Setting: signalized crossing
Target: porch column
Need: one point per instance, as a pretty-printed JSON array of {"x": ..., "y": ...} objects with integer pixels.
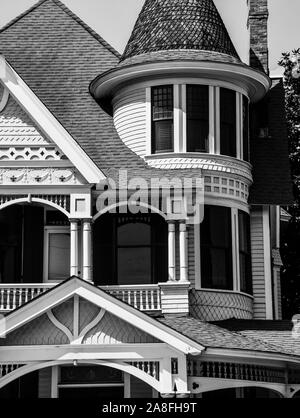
[
  {"x": 87, "y": 250},
  {"x": 74, "y": 247},
  {"x": 183, "y": 252},
  {"x": 171, "y": 251}
]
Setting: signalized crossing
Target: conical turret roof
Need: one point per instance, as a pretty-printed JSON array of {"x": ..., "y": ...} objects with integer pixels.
[{"x": 185, "y": 25}]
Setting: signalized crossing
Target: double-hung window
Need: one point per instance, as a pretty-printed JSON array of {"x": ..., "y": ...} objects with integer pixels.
[
  {"x": 228, "y": 132},
  {"x": 162, "y": 119},
  {"x": 197, "y": 118}
]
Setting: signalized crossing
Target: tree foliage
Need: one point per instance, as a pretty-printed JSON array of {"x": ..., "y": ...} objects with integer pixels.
[{"x": 291, "y": 235}]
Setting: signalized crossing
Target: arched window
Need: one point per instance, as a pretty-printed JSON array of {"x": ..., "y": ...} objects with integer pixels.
[{"x": 130, "y": 249}]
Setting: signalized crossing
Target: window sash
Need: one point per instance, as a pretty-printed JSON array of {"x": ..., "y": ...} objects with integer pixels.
[{"x": 197, "y": 111}]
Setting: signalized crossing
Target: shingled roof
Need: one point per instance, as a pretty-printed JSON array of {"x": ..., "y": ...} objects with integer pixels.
[
  {"x": 58, "y": 55},
  {"x": 165, "y": 25}
]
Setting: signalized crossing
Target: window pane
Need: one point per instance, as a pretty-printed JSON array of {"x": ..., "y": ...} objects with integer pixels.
[
  {"x": 134, "y": 266},
  {"x": 246, "y": 128},
  {"x": 197, "y": 118},
  {"x": 245, "y": 252},
  {"x": 134, "y": 234},
  {"x": 59, "y": 256},
  {"x": 216, "y": 248},
  {"x": 228, "y": 122},
  {"x": 162, "y": 119}
]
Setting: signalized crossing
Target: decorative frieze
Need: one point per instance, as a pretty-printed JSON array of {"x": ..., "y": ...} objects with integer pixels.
[
  {"x": 228, "y": 187},
  {"x": 31, "y": 154},
  {"x": 38, "y": 175}
]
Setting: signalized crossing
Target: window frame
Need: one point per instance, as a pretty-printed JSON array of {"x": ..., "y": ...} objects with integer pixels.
[
  {"x": 180, "y": 141},
  {"x": 170, "y": 119},
  {"x": 48, "y": 230},
  {"x": 235, "y": 250}
]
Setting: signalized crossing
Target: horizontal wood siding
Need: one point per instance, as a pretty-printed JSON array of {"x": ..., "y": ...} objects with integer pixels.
[
  {"x": 191, "y": 254},
  {"x": 130, "y": 119},
  {"x": 258, "y": 264},
  {"x": 45, "y": 383}
]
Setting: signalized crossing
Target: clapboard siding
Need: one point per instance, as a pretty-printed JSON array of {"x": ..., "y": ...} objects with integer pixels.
[
  {"x": 45, "y": 383},
  {"x": 191, "y": 254},
  {"x": 258, "y": 264},
  {"x": 130, "y": 119}
]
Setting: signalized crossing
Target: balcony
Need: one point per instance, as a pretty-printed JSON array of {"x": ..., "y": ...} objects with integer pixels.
[{"x": 145, "y": 298}]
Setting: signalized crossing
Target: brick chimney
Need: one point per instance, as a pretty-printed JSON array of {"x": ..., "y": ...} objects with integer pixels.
[{"x": 258, "y": 29}]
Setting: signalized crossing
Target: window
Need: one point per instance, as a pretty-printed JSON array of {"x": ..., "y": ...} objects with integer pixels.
[
  {"x": 245, "y": 253},
  {"x": 57, "y": 253},
  {"x": 228, "y": 122},
  {"x": 197, "y": 118},
  {"x": 216, "y": 248},
  {"x": 130, "y": 249},
  {"x": 134, "y": 253},
  {"x": 162, "y": 119},
  {"x": 245, "y": 129}
]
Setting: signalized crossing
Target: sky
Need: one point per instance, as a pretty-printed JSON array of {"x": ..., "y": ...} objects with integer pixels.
[{"x": 114, "y": 21}]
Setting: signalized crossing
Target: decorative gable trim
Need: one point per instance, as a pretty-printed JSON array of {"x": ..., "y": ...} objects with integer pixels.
[
  {"x": 48, "y": 123},
  {"x": 103, "y": 300}
]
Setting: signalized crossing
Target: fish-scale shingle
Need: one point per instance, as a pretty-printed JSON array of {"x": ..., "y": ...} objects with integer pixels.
[{"x": 179, "y": 25}]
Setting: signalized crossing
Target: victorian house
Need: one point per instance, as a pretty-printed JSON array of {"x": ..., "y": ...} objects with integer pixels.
[{"x": 133, "y": 296}]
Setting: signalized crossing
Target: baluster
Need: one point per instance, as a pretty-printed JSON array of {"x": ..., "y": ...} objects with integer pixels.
[
  {"x": 20, "y": 297},
  {"x": 147, "y": 300},
  {"x": 8, "y": 301},
  {"x": 2, "y": 300},
  {"x": 141, "y": 301},
  {"x": 213, "y": 369},
  {"x": 158, "y": 299},
  {"x": 230, "y": 371},
  {"x": 123, "y": 296},
  {"x": 219, "y": 369},
  {"x": 154, "y": 370},
  {"x": 31, "y": 293},
  {"x": 152, "y": 300},
  {"x": 135, "y": 299},
  {"x": 129, "y": 296},
  {"x": 236, "y": 369},
  {"x": 1, "y": 370},
  {"x": 26, "y": 295}
]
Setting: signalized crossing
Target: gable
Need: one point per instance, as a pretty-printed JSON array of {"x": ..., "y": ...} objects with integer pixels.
[
  {"x": 77, "y": 321},
  {"x": 77, "y": 289},
  {"x": 21, "y": 139}
]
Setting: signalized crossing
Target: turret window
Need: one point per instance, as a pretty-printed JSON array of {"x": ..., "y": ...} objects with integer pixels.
[
  {"x": 162, "y": 119},
  {"x": 228, "y": 122},
  {"x": 197, "y": 116}
]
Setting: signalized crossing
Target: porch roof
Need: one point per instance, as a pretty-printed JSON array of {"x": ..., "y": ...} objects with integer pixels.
[{"x": 233, "y": 335}]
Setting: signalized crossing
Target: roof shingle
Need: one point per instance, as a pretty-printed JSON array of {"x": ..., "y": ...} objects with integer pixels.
[{"x": 165, "y": 25}]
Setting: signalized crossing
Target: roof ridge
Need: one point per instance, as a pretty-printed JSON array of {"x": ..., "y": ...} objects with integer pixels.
[{"x": 69, "y": 13}]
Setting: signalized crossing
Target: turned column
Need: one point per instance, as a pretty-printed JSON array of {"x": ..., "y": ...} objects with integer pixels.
[
  {"x": 183, "y": 252},
  {"x": 171, "y": 251},
  {"x": 74, "y": 259},
  {"x": 87, "y": 250}
]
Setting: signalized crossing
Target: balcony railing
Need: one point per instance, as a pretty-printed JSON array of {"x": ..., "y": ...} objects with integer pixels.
[{"x": 141, "y": 297}]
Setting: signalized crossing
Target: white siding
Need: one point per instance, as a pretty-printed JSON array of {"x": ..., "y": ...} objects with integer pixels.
[
  {"x": 191, "y": 255},
  {"x": 130, "y": 119},
  {"x": 258, "y": 266},
  {"x": 45, "y": 383}
]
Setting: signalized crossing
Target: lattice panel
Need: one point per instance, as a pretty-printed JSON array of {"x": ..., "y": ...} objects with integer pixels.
[
  {"x": 31, "y": 154},
  {"x": 226, "y": 187},
  {"x": 218, "y": 306}
]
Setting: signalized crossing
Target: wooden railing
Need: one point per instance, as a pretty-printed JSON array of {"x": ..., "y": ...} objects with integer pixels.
[
  {"x": 142, "y": 297},
  {"x": 13, "y": 296}
]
